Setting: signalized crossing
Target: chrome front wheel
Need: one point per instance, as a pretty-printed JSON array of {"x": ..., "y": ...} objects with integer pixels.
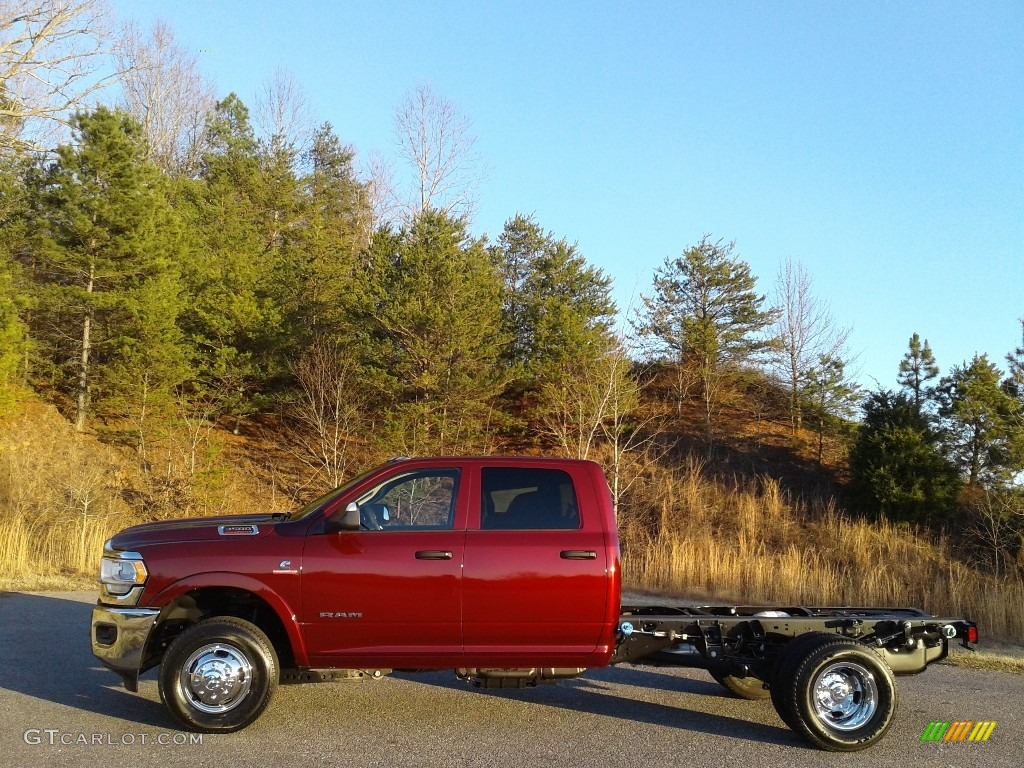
[
  {"x": 219, "y": 675},
  {"x": 216, "y": 678}
]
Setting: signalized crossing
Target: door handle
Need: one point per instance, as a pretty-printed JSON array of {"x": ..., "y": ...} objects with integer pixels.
[
  {"x": 579, "y": 554},
  {"x": 433, "y": 554}
]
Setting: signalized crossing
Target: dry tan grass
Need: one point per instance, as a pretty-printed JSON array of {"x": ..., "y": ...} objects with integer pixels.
[
  {"x": 37, "y": 551},
  {"x": 751, "y": 545},
  {"x": 63, "y": 494},
  {"x": 59, "y": 498},
  {"x": 49, "y": 583},
  {"x": 997, "y": 662}
]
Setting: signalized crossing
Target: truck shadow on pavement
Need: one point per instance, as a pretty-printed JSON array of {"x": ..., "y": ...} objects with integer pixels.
[
  {"x": 48, "y": 655},
  {"x": 600, "y": 692}
]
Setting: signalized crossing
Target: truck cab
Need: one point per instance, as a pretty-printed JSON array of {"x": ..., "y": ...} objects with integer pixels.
[{"x": 461, "y": 563}]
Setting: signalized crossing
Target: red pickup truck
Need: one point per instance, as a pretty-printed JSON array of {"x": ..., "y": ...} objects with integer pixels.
[{"x": 504, "y": 569}]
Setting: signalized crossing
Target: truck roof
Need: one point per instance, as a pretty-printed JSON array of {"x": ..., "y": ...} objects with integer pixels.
[{"x": 504, "y": 459}]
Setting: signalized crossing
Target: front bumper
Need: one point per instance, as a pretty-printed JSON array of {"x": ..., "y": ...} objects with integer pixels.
[{"x": 119, "y": 638}]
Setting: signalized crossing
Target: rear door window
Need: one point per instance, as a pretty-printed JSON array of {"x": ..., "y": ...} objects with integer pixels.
[{"x": 527, "y": 499}]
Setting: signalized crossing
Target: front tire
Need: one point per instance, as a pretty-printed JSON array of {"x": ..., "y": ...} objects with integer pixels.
[
  {"x": 218, "y": 675},
  {"x": 835, "y": 692}
]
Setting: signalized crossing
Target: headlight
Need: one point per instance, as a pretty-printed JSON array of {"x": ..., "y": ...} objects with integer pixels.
[{"x": 121, "y": 572}]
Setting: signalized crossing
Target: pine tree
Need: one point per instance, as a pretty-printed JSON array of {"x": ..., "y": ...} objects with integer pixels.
[
  {"x": 917, "y": 368},
  {"x": 706, "y": 314},
  {"x": 235, "y": 317},
  {"x": 14, "y": 299},
  {"x": 104, "y": 261},
  {"x": 897, "y": 465},
  {"x": 984, "y": 428},
  {"x": 1015, "y": 361},
  {"x": 518, "y": 248},
  {"x": 13, "y": 339},
  {"x": 832, "y": 396},
  {"x": 428, "y": 313},
  {"x": 319, "y": 266},
  {"x": 556, "y": 309}
]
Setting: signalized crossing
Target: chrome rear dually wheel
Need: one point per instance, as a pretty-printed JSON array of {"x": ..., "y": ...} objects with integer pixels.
[
  {"x": 845, "y": 695},
  {"x": 834, "y": 691}
]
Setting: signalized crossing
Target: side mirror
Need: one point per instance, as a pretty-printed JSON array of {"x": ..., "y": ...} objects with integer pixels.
[{"x": 348, "y": 522}]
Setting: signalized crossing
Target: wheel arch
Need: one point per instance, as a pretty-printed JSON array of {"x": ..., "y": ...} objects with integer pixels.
[{"x": 225, "y": 594}]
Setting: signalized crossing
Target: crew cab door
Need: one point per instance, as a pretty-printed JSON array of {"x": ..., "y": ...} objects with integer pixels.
[
  {"x": 535, "y": 581},
  {"x": 389, "y": 595}
]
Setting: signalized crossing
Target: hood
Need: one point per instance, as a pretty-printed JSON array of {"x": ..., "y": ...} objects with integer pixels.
[{"x": 223, "y": 527}]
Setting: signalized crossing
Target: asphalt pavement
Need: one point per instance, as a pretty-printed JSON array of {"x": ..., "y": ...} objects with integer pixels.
[{"x": 59, "y": 706}]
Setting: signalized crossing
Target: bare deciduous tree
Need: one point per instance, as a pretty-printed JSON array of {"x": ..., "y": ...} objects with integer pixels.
[
  {"x": 995, "y": 526},
  {"x": 85, "y": 490},
  {"x": 51, "y": 58},
  {"x": 435, "y": 139},
  {"x": 328, "y": 413},
  {"x": 596, "y": 403},
  {"x": 197, "y": 412},
  {"x": 627, "y": 434},
  {"x": 164, "y": 90},
  {"x": 282, "y": 113},
  {"x": 574, "y": 407},
  {"x": 383, "y": 196},
  {"x": 806, "y": 330}
]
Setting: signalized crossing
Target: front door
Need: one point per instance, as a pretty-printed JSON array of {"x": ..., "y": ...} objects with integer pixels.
[{"x": 390, "y": 593}]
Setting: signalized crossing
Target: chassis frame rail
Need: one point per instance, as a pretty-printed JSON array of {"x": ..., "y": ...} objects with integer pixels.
[{"x": 748, "y": 640}]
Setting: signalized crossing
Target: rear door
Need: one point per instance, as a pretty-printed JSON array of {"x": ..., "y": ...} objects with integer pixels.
[
  {"x": 390, "y": 595},
  {"x": 535, "y": 581}
]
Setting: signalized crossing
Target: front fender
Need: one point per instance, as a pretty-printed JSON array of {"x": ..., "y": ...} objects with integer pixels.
[{"x": 213, "y": 579}]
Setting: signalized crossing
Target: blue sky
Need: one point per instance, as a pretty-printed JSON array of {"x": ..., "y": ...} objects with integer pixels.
[{"x": 879, "y": 144}]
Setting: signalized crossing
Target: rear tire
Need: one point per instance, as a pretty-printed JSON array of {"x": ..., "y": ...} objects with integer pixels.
[
  {"x": 785, "y": 666},
  {"x": 218, "y": 675},
  {"x": 835, "y": 692},
  {"x": 750, "y": 688}
]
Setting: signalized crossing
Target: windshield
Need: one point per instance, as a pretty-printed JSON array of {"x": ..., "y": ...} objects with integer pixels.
[{"x": 315, "y": 506}]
